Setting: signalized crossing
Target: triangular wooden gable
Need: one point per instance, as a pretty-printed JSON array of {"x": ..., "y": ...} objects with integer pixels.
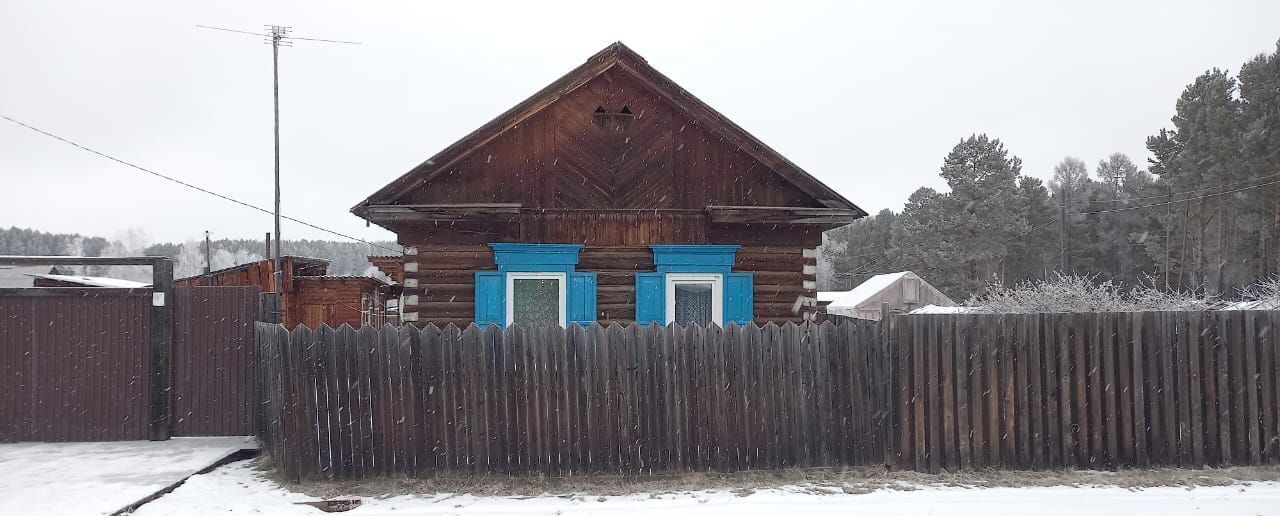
[{"x": 613, "y": 133}]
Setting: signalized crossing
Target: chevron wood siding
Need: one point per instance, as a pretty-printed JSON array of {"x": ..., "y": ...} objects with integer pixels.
[{"x": 567, "y": 156}]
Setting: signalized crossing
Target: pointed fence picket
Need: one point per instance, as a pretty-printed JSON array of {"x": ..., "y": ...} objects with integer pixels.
[{"x": 933, "y": 392}]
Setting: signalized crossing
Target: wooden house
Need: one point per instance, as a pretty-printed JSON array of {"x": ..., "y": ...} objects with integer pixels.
[
  {"x": 610, "y": 195},
  {"x": 309, "y": 295}
]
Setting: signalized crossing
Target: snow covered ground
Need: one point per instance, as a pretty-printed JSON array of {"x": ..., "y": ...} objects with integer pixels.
[
  {"x": 82, "y": 479},
  {"x": 239, "y": 489}
]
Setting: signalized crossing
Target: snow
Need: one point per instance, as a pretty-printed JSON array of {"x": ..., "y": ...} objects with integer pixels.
[
  {"x": 1266, "y": 304},
  {"x": 94, "y": 281},
  {"x": 827, "y": 296},
  {"x": 935, "y": 309},
  {"x": 239, "y": 489},
  {"x": 51, "y": 479}
]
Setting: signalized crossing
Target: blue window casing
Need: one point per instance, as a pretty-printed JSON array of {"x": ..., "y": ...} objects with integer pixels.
[
  {"x": 491, "y": 286},
  {"x": 651, "y": 295}
]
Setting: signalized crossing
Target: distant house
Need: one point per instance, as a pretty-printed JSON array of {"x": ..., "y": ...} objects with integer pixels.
[
  {"x": 611, "y": 195},
  {"x": 310, "y": 296},
  {"x": 904, "y": 291}
]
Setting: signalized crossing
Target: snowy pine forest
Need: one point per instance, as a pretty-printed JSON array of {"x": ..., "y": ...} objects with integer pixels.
[
  {"x": 345, "y": 258},
  {"x": 1200, "y": 216}
]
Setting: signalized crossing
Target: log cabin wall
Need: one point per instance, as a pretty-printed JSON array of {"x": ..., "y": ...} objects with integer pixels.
[{"x": 442, "y": 290}]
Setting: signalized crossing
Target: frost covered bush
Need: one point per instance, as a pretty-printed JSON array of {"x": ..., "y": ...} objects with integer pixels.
[
  {"x": 1074, "y": 293},
  {"x": 1265, "y": 289}
]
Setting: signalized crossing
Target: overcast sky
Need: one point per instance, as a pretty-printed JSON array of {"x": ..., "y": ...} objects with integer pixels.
[{"x": 867, "y": 96}]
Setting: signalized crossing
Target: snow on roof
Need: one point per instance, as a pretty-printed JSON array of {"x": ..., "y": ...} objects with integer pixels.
[
  {"x": 1265, "y": 304},
  {"x": 93, "y": 281},
  {"x": 828, "y": 296},
  {"x": 935, "y": 309},
  {"x": 868, "y": 289}
]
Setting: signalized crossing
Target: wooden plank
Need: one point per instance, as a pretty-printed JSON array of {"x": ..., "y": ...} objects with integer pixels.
[
  {"x": 1124, "y": 391},
  {"x": 1066, "y": 430},
  {"x": 919, "y": 344},
  {"x": 1034, "y": 341},
  {"x": 1009, "y": 389},
  {"x": 1221, "y": 343},
  {"x": 1137, "y": 362},
  {"x": 1110, "y": 405},
  {"x": 1251, "y": 380},
  {"x": 1020, "y": 350},
  {"x": 1168, "y": 386},
  {"x": 1238, "y": 378},
  {"x": 1270, "y": 368},
  {"x": 993, "y": 368},
  {"x": 1274, "y": 337},
  {"x": 1049, "y": 362},
  {"x": 978, "y": 394},
  {"x": 935, "y": 405},
  {"x": 1095, "y": 391},
  {"x": 962, "y": 390},
  {"x": 1080, "y": 399},
  {"x": 1191, "y": 342},
  {"x": 1182, "y": 377},
  {"x": 947, "y": 381}
]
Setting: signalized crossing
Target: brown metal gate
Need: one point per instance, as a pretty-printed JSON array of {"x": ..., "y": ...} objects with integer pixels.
[
  {"x": 212, "y": 361},
  {"x": 75, "y": 364}
]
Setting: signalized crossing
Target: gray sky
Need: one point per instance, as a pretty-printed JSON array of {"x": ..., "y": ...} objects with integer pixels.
[{"x": 866, "y": 96}]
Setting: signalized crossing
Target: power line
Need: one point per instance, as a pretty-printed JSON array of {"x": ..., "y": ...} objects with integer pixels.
[
  {"x": 1176, "y": 200},
  {"x": 277, "y": 37},
  {"x": 188, "y": 185},
  {"x": 1163, "y": 196}
]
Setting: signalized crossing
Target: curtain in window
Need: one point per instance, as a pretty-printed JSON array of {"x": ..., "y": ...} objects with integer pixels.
[
  {"x": 693, "y": 303},
  {"x": 535, "y": 302}
]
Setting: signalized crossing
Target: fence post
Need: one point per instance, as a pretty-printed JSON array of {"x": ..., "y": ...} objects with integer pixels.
[{"x": 161, "y": 347}]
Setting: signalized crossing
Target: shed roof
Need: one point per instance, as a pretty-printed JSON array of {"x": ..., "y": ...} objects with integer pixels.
[{"x": 93, "y": 281}]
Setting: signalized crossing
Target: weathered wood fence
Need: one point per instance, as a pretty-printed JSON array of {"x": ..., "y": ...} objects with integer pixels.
[{"x": 918, "y": 392}]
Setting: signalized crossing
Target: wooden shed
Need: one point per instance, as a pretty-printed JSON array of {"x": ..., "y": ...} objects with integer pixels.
[
  {"x": 903, "y": 291},
  {"x": 613, "y": 194},
  {"x": 310, "y": 296}
]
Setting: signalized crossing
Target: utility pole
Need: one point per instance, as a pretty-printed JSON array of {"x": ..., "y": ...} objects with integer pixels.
[
  {"x": 277, "y": 36},
  {"x": 1062, "y": 232},
  {"x": 209, "y": 265}
]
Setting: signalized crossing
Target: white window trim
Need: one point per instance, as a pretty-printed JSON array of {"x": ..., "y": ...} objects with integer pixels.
[
  {"x": 717, "y": 293},
  {"x": 511, "y": 291}
]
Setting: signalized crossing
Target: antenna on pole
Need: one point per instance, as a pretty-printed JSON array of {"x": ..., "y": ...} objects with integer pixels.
[{"x": 277, "y": 36}]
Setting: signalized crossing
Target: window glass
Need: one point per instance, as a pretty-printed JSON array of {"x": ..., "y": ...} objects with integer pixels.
[
  {"x": 693, "y": 303},
  {"x": 535, "y": 302}
]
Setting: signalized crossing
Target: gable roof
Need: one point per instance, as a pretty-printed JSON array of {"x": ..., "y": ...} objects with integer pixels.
[{"x": 620, "y": 56}]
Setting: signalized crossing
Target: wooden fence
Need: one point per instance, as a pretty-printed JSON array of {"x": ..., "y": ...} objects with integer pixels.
[
  {"x": 1087, "y": 390},
  {"x": 918, "y": 392},
  {"x": 349, "y": 403}
]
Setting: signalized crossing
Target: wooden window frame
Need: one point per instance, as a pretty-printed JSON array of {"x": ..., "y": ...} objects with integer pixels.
[{"x": 697, "y": 278}]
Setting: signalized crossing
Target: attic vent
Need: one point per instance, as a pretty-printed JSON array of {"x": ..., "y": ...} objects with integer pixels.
[
  {"x": 600, "y": 110},
  {"x": 625, "y": 111}
]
